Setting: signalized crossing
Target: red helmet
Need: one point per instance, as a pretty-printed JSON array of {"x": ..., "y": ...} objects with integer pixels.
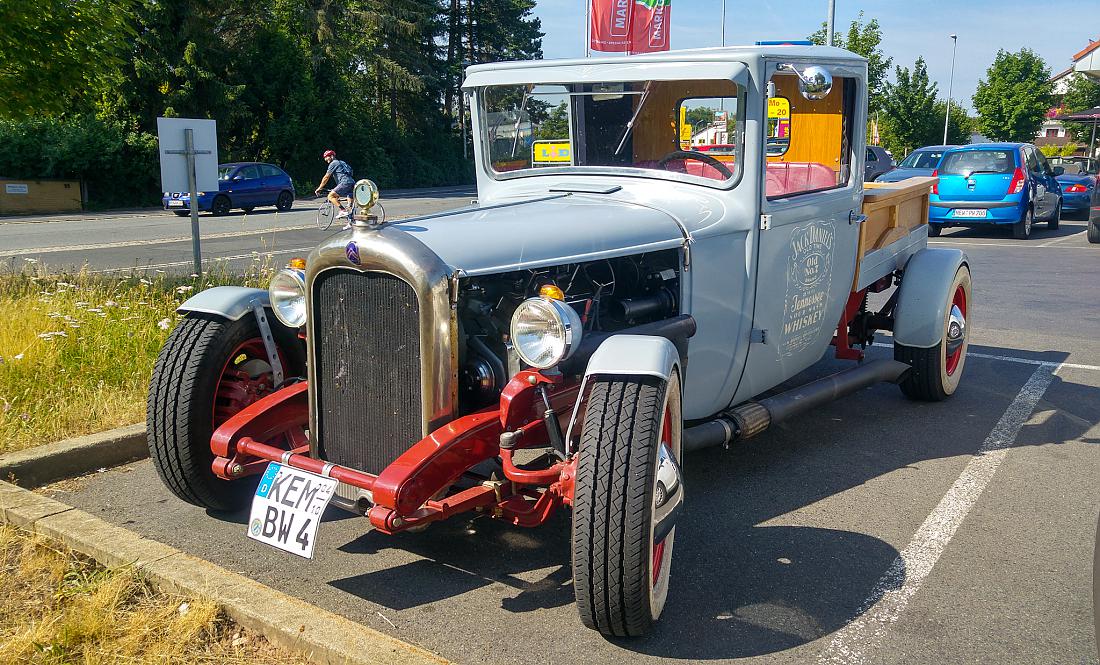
[{"x": 328, "y": 153}]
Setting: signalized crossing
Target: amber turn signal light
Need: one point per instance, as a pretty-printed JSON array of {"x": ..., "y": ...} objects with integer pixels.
[
  {"x": 298, "y": 263},
  {"x": 552, "y": 292}
]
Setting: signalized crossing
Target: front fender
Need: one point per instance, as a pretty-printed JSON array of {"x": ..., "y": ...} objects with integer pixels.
[
  {"x": 924, "y": 296},
  {"x": 230, "y": 302},
  {"x": 634, "y": 354}
]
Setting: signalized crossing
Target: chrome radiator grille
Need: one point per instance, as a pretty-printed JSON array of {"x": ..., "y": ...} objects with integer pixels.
[{"x": 367, "y": 382}]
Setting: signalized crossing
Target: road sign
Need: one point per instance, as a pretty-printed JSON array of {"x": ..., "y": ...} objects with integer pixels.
[
  {"x": 551, "y": 153},
  {"x": 196, "y": 141}
]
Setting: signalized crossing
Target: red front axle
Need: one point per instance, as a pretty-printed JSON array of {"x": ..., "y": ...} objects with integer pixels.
[{"x": 272, "y": 430}]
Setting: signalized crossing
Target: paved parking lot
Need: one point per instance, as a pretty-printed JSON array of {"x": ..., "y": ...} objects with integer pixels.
[{"x": 877, "y": 530}]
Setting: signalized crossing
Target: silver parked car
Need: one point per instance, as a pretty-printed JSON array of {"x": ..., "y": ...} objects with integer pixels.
[{"x": 544, "y": 347}]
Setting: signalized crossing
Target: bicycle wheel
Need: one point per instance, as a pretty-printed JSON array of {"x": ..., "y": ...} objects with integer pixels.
[{"x": 325, "y": 214}]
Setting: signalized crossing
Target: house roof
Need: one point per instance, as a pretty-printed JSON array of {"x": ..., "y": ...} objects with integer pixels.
[{"x": 1085, "y": 51}]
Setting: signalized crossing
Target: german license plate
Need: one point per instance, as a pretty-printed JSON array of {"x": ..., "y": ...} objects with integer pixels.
[
  {"x": 175, "y": 203},
  {"x": 970, "y": 212},
  {"x": 287, "y": 508}
]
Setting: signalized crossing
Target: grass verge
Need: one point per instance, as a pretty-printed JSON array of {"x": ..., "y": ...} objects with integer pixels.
[
  {"x": 77, "y": 350},
  {"x": 59, "y": 607}
]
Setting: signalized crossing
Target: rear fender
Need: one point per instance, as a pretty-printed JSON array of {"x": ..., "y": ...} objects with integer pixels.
[
  {"x": 229, "y": 302},
  {"x": 923, "y": 296}
]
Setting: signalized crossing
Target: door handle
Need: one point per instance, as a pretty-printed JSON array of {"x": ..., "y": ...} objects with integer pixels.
[{"x": 854, "y": 218}]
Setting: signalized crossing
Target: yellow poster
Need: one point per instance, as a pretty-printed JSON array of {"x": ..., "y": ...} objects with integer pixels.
[
  {"x": 685, "y": 128},
  {"x": 779, "y": 107},
  {"x": 551, "y": 152}
]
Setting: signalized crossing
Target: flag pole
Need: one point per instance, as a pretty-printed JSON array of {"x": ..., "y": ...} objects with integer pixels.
[{"x": 587, "y": 29}]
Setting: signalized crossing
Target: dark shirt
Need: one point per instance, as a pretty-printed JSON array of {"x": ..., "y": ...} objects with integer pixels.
[{"x": 341, "y": 172}]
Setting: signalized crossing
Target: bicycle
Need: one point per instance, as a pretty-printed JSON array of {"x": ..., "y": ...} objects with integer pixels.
[{"x": 327, "y": 212}]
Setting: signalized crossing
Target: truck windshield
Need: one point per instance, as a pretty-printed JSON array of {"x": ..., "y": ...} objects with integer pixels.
[{"x": 657, "y": 128}]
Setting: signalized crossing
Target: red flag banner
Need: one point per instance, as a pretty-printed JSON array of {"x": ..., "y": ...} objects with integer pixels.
[
  {"x": 631, "y": 26},
  {"x": 651, "y": 23}
]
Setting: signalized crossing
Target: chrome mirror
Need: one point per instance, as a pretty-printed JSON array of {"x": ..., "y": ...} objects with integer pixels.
[{"x": 814, "y": 82}]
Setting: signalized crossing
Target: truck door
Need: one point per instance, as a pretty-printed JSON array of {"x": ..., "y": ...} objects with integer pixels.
[{"x": 809, "y": 233}]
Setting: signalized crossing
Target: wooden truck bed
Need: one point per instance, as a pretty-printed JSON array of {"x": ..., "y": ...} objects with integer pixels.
[{"x": 896, "y": 227}]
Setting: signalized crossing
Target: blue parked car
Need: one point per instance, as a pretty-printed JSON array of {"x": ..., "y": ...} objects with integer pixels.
[
  {"x": 1080, "y": 190},
  {"x": 1008, "y": 184},
  {"x": 920, "y": 162},
  {"x": 244, "y": 185}
]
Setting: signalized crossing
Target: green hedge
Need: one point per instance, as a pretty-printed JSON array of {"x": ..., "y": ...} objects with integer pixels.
[{"x": 118, "y": 166}]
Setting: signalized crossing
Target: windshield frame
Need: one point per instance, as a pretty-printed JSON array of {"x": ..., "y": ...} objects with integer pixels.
[{"x": 479, "y": 101}]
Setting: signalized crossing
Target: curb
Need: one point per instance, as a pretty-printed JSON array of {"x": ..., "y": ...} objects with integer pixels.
[
  {"x": 286, "y": 622},
  {"x": 42, "y": 465}
]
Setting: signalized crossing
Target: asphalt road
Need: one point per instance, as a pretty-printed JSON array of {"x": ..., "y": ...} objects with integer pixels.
[
  {"x": 877, "y": 530},
  {"x": 159, "y": 240}
]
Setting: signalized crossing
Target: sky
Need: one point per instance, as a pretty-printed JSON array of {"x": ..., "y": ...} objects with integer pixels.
[{"x": 1054, "y": 30}]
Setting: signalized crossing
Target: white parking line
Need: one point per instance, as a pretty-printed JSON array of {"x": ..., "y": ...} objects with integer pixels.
[
  {"x": 1013, "y": 359},
  {"x": 1058, "y": 240},
  {"x": 216, "y": 259},
  {"x": 856, "y": 642},
  {"x": 1004, "y": 245}
]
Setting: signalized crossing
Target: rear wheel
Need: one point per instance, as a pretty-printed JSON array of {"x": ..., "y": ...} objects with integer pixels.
[
  {"x": 182, "y": 213},
  {"x": 934, "y": 230},
  {"x": 936, "y": 371},
  {"x": 628, "y": 492},
  {"x": 1052, "y": 224},
  {"x": 1021, "y": 230},
  {"x": 284, "y": 202},
  {"x": 248, "y": 209},
  {"x": 208, "y": 370},
  {"x": 1094, "y": 231}
]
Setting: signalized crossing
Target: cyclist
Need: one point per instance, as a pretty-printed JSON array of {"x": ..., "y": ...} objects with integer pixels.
[{"x": 339, "y": 171}]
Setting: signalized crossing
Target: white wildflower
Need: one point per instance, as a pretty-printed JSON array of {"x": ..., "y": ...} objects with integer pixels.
[
  {"x": 66, "y": 285},
  {"x": 18, "y": 356},
  {"x": 144, "y": 281},
  {"x": 30, "y": 260},
  {"x": 110, "y": 303},
  {"x": 54, "y": 315},
  {"x": 95, "y": 310},
  {"x": 80, "y": 303},
  {"x": 184, "y": 608},
  {"x": 184, "y": 289},
  {"x": 194, "y": 275},
  {"x": 52, "y": 334},
  {"x": 164, "y": 323}
]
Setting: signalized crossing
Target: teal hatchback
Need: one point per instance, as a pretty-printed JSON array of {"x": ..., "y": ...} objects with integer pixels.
[{"x": 1009, "y": 184}]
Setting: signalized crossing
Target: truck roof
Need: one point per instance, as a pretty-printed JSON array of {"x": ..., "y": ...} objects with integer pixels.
[{"x": 477, "y": 74}]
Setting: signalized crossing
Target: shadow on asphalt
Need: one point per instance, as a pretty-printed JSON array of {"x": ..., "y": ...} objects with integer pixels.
[
  {"x": 1039, "y": 231},
  {"x": 742, "y": 587}
]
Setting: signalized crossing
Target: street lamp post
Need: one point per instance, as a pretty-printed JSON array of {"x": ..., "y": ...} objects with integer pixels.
[
  {"x": 723, "y": 22},
  {"x": 950, "y": 83},
  {"x": 829, "y": 23}
]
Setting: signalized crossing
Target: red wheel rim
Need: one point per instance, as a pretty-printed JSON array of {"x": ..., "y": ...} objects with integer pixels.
[
  {"x": 659, "y": 548},
  {"x": 953, "y": 359},
  {"x": 236, "y": 389}
]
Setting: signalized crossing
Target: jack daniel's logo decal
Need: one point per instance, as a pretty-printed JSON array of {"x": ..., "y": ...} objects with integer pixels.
[{"x": 809, "y": 276}]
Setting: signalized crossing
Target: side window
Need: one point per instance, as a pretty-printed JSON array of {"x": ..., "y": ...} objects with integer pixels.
[
  {"x": 871, "y": 156},
  {"x": 1044, "y": 165},
  {"x": 270, "y": 171},
  {"x": 1032, "y": 161},
  {"x": 816, "y": 137},
  {"x": 249, "y": 172}
]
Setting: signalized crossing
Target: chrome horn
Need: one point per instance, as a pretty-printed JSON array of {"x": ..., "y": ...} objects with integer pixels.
[{"x": 814, "y": 82}]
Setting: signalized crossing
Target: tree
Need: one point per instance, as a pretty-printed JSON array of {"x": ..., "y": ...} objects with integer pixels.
[
  {"x": 959, "y": 127},
  {"x": 909, "y": 117},
  {"x": 1083, "y": 94},
  {"x": 863, "y": 39},
  {"x": 55, "y": 53},
  {"x": 1014, "y": 97}
]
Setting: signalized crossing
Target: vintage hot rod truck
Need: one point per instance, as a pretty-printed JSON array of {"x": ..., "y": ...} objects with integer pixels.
[{"x": 614, "y": 299}]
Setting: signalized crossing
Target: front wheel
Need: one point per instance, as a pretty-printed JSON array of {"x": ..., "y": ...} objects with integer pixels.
[
  {"x": 1094, "y": 231},
  {"x": 326, "y": 213},
  {"x": 221, "y": 206},
  {"x": 936, "y": 371},
  {"x": 209, "y": 369},
  {"x": 284, "y": 202},
  {"x": 1052, "y": 224},
  {"x": 182, "y": 213},
  {"x": 627, "y": 496}
]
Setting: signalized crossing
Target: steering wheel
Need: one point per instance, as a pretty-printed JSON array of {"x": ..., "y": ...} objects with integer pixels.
[{"x": 699, "y": 156}]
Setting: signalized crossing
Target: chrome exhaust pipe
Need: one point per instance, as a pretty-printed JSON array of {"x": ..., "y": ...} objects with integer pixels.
[{"x": 751, "y": 418}]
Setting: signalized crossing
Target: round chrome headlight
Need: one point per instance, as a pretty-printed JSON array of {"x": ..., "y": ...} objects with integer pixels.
[
  {"x": 545, "y": 332},
  {"x": 287, "y": 292}
]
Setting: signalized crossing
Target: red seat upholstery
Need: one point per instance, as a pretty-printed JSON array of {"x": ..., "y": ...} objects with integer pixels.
[{"x": 785, "y": 178}]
